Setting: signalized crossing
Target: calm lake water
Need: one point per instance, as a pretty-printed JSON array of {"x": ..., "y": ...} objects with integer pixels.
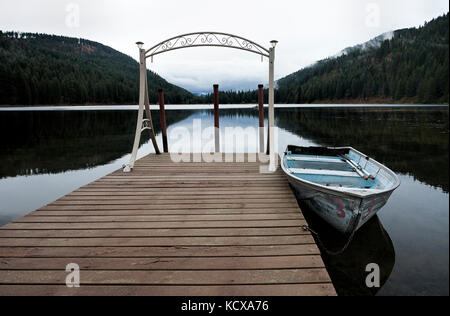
[{"x": 47, "y": 154}]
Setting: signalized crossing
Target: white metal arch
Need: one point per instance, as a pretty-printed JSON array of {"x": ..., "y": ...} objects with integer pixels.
[
  {"x": 199, "y": 39},
  {"x": 211, "y": 39}
]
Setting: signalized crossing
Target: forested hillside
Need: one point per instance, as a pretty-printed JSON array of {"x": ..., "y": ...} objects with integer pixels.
[
  {"x": 410, "y": 67},
  {"x": 48, "y": 69}
]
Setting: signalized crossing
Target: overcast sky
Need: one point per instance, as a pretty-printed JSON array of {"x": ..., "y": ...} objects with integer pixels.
[{"x": 307, "y": 31}]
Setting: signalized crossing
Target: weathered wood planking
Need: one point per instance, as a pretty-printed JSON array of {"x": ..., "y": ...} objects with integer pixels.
[{"x": 168, "y": 229}]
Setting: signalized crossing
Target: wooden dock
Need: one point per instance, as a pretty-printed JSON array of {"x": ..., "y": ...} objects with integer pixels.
[{"x": 167, "y": 229}]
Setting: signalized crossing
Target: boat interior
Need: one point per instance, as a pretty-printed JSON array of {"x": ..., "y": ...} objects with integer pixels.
[{"x": 340, "y": 167}]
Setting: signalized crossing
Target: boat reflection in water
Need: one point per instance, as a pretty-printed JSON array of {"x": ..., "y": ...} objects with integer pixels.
[{"x": 370, "y": 244}]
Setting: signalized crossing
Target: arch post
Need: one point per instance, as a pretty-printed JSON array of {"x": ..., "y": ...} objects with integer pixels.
[
  {"x": 144, "y": 104},
  {"x": 271, "y": 144}
]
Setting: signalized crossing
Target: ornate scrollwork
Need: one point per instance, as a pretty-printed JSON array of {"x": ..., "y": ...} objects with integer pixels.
[{"x": 207, "y": 39}]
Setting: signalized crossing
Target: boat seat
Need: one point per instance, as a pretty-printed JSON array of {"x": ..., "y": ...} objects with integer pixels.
[
  {"x": 315, "y": 159},
  {"x": 324, "y": 172}
]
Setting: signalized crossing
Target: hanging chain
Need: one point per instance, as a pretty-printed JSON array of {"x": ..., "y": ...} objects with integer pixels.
[{"x": 322, "y": 245}]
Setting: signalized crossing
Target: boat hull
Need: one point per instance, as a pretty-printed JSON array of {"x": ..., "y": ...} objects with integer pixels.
[{"x": 343, "y": 212}]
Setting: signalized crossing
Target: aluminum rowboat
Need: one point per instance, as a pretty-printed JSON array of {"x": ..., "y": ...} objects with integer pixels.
[{"x": 342, "y": 185}]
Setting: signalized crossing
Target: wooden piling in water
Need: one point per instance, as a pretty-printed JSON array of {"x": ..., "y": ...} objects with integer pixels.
[
  {"x": 216, "y": 118},
  {"x": 261, "y": 117},
  {"x": 162, "y": 115}
]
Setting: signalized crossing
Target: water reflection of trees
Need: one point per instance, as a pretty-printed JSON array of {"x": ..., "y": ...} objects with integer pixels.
[
  {"x": 408, "y": 140},
  {"x": 237, "y": 113},
  {"x": 34, "y": 142}
]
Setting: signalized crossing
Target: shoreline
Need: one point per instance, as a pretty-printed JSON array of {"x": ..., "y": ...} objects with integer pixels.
[
  {"x": 210, "y": 107},
  {"x": 322, "y": 102}
]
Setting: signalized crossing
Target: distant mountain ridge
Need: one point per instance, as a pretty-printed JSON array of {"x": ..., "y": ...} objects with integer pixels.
[
  {"x": 404, "y": 66},
  {"x": 49, "y": 69}
]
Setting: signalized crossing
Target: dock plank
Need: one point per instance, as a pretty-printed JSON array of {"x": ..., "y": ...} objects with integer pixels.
[
  {"x": 305, "y": 289},
  {"x": 156, "y": 232},
  {"x": 171, "y": 277},
  {"x": 188, "y": 263}
]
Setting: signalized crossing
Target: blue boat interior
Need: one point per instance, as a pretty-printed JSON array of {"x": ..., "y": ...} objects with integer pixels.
[{"x": 341, "y": 168}]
